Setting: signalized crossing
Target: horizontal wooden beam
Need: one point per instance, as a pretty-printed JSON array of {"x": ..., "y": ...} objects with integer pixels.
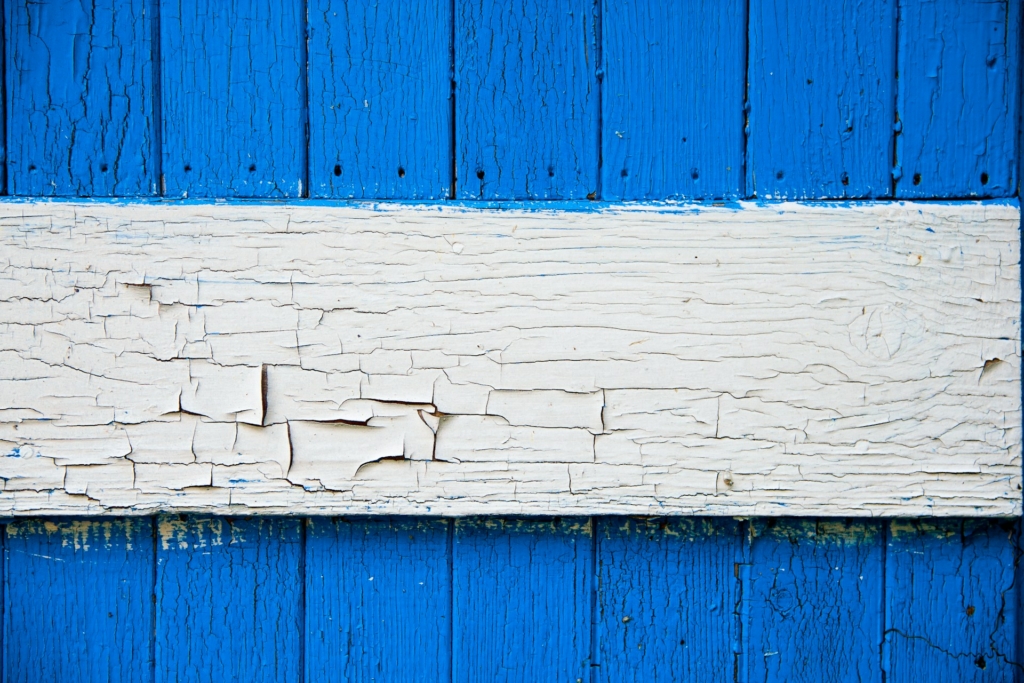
[{"x": 785, "y": 359}]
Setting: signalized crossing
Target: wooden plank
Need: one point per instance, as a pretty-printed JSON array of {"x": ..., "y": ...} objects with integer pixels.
[
  {"x": 522, "y": 594},
  {"x": 667, "y": 596},
  {"x": 813, "y": 601},
  {"x": 233, "y": 98},
  {"x": 673, "y": 96},
  {"x": 821, "y": 80},
  {"x": 78, "y": 601},
  {"x": 229, "y": 599},
  {"x": 526, "y": 99},
  {"x": 958, "y": 98},
  {"x": 380, "y": 89},
  {"x": 378, "y": 595},
  {"x": 951, "y": 612},
  {"x": 779, "y": 360},
  {"x": 81, "y": 98}
]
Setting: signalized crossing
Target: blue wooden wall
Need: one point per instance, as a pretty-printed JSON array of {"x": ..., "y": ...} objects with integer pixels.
[
  {"x": 577, "y": 100},
  {"x": 570, "y": 599},
  {"x": 512, "y": 100}
]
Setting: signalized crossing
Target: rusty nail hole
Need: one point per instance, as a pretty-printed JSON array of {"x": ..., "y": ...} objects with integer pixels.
[
  {"x": 970, "y": 610},
  {"x": 480, "y": 173},
  {"x": 779, "y": 175},
  {"x": 401, "y": 172},
  {"x": 663, "y": 525},
  {"x": 984, "y": 178},
  {"x": 252, "y": 167},
  {"x": 337, "y": 169},
  {"x": 624, "y": 173},
  {"x": 103, "y": 168},
  {"x": 187, "y": 168},
  {"x": 844, "y": 179},
  {"x": 694, "y": 173},
  {"x": 917, "y": 178}
]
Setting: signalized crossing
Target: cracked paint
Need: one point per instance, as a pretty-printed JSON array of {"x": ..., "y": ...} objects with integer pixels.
[{"x": 858, "y": 360}]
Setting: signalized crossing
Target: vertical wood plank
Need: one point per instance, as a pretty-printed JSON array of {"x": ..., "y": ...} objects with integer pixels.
[
  {"x": 81, "y": 98},
  {"x": 958, "y": 64},
  {"x": 379, "y": 598},
  {"x": 526, "y": 99},
  {"x": 522, "y": 600},
  {"x": 233, "y": 98},
  {"x": 950, "y": 605},
  {"x": 821, "y": 80},
  {"x": 667, "y": 595},
  {"x": 78, "y": 601},
  {"x": 814, "y": 601},
  {"x": 673, "y": 91},
  {"x": 380, "y": 89},
  {"x": 229, "y": 599}
]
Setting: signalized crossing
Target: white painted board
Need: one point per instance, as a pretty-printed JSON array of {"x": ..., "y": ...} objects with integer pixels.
[{"x": 785, "y": 359}]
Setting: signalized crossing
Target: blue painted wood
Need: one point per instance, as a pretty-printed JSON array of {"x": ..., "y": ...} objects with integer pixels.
[
  {"x": 78, "y": 601},
  {"x": 814, "y": 601},
  {"x": 673, "y": 94},
  {"x": 81, "y": 97},
  {"x": 667, "y": 596},
  {"x": 378, "y": 600},
  {"x": 522, "y": 596},
  {"x": 821, "y": 97},
  {"x": 951, "y": 608},
  {"x": 380, "y": 99},
  {"x": 526, "y": 99},
  {"x": 233, "y": 98},
  {"x": 229, "y": 600},
  {"x": 958, "y": 98}
]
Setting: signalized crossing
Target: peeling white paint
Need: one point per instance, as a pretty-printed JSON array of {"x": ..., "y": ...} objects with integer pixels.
[{"x": 788, "y": 359}]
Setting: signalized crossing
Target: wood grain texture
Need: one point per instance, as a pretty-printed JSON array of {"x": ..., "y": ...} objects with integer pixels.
[
  {"x": 958, "y": 98},
  {"x": 78, "y": 601},
  {"x": 522, "y": 600},
  {"x": 667, "y": 600},
  {"x": 233, "y": 98},
  {"x": 785, "y": 360},
  {"x": 228, "y": 599},
  {"x": 813, "y": 603},
  {"x": 673, "y": 96},
  {"x": 378, "y": 600},
  {"x": 951, "y": 607},
  {"x": 526, "y": 99},
  {"x": 821, "y": 91},
  {"x": 81, "y": 98},
  {"x": 659, "y": 599},
  {"x": 380, "y": 88}
]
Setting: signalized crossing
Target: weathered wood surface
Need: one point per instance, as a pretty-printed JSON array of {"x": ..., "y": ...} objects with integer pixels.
[
  {"x": 857, "y": 360},
  {"x": 80, "y": 92},
  {"x": 959, "y": 65},
  {"x": 821, "y": 95},
  {"x": 233, "y": 98},
  {"x": 607, "y": 599}
]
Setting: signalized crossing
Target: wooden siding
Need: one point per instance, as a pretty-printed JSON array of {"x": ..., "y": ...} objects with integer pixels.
[{"x": 574, "y": 599}]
